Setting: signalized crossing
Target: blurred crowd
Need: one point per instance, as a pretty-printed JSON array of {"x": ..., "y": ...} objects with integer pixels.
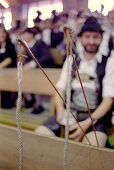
[{"x": 47, "y": 42}]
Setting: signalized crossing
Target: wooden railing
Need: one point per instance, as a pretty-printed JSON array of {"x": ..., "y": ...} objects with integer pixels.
[{"x": 34, "y": 81}]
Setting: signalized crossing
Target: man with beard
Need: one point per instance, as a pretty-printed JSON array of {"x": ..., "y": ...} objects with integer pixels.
[{"x": 92, "y": 68}]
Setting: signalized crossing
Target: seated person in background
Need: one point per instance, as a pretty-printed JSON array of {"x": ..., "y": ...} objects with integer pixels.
[
  {"x": 42, "y": 54},
  {"x": 92, "y": 68},
  {"x": 56, "y": 33},
  {"x": 7, "y": 49},
  {"x": 7, "y": 60},
  {"x": 46, "y": 32},
  {"x": 38, "y": 22},
  {"x": 52, "y": 35}
]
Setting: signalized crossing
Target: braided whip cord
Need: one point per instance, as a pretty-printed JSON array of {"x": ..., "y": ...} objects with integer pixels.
[
  {"x": 19, "y": 66},
  {"x": 68, "y": 110}
]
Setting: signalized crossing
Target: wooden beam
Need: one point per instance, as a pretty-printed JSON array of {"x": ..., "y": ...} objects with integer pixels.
[
  {"x": 34, "y": 80},
  {"x": 46, "y": 153}
]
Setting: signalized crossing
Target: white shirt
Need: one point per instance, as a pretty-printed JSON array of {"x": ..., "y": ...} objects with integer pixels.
[
  {"x": 108, "y": 81},
  {"x": 46, "y": 36},
  {"x": 87, "y": 71},
  {"x": 89, "y": 67},
  {"x": 104, "y": 46},
  {"x": 30, "y": 45}
]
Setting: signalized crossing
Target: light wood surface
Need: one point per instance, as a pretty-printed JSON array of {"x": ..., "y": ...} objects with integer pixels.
[
  {"x": 34, "y": 81},
  {"x": 46, "y": 153},
  {"x": 28, "y": 121}
]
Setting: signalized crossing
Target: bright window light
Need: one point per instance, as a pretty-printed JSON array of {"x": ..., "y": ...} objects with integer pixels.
[
  {"x": 45, "y": 7},
  {"x": 4, "y": 3},
  {"x": 94, "y": 5},
  {"x": 7, "y": 19},
  {"x": 31, "y": 15}
]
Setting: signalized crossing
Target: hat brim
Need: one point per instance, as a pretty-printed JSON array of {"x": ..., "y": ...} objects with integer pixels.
[{"x": 81, "y": 32}]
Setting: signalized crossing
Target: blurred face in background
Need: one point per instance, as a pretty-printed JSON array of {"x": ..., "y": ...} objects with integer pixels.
[
  {"x": 91, "y": 41},
  {"x": 3, "y": 35},
  {"x": 64, "y": 19},
  {"x": 28, "y": 37},
  {"x": 56, "y": 25},
  {"x": 47, "y": 24}
]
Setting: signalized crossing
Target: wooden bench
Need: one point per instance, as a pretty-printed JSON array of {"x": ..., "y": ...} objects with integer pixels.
[
  {"x": 35, "y": 82},
  {"x": 46, "y": 153}
]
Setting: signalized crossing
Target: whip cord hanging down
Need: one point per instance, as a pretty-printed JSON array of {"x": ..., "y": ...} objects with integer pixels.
[
  {"x": 19, "y": 67},
  {"x": 67, "y": 108}
]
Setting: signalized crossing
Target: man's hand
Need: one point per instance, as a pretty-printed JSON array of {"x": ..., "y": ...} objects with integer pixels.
[{"x": 78, "y": 134}]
